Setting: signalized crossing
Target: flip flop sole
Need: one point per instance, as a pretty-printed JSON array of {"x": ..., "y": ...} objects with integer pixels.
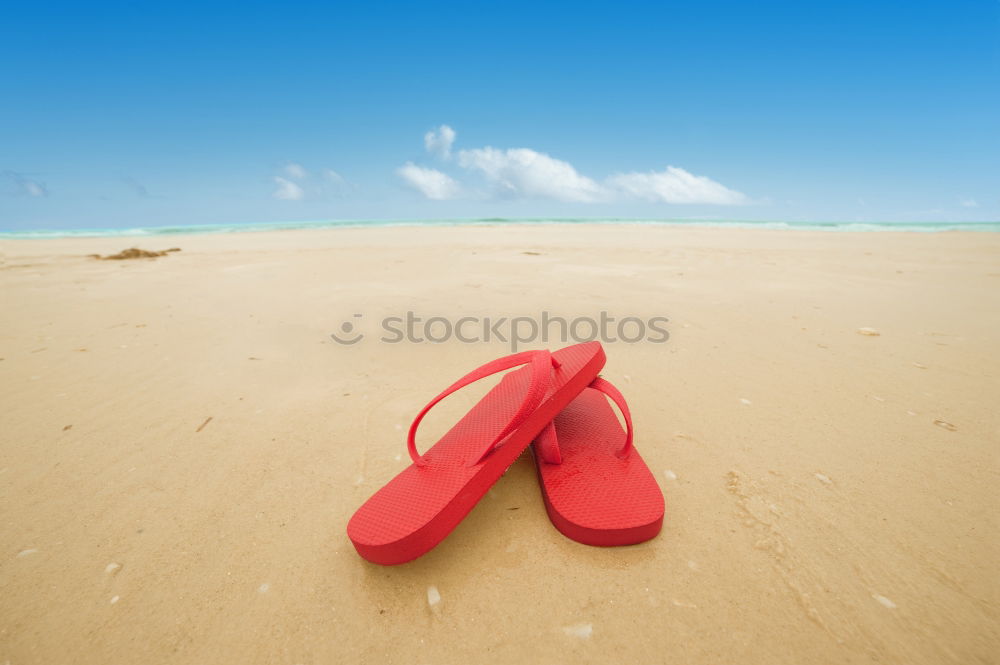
[
  {"x": 418, "y": 508},
  {"x": 593, "y": 496}
]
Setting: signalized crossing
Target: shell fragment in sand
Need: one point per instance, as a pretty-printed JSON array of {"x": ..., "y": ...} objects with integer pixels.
[
  {"x": 884, "y": 601},
  {"x": 581, "y": 630},
  {"x": 868, "y": 332},
  {"x": 433, "y": 595}
]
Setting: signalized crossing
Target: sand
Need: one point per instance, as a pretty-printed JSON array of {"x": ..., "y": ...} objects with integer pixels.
[{"x": 182, "y": 444}]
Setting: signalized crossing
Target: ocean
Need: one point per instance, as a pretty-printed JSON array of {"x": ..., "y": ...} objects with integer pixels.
[{"x": 918, "y": 227}]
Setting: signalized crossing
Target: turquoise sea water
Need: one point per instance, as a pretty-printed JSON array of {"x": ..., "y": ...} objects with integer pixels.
[{"x": 920, "y": 227}]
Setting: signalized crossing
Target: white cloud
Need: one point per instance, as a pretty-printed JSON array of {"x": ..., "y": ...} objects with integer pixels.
[
  {"x": 334, "y": 177},
  {"x": 33, "y": 188},
  {"x": 521, "y": 172},
  {"x": 137, "y": 187},
  {"x": 287, "y": 190},
  {"x": 296, "y": 183},
  {"x": 297, "y": 171},
  {"x": 968, "y": 203},
  {"x": 675, "y": 185},
  {"x": 25, "y": 186},
  {"x": 439, "y": 141},
  {"x": 333, "y": 183},
  {"x": 430, "y": 182}
]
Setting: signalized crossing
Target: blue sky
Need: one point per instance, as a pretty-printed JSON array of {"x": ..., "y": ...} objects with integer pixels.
[{"x": 138, "y": 114}]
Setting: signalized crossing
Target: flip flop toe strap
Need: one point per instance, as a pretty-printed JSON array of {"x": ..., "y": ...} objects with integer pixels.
[
  {"x": 547, "y": 442},
  {"x": 541, "y": 364},
  {"x": 608, "y": 389}
]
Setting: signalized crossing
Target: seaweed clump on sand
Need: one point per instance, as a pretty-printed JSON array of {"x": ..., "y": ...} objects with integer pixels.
[{"x": 135, "y": 253}]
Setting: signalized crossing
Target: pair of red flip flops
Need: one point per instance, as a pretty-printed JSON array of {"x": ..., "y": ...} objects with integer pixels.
[{"x": 597, "y": 489}]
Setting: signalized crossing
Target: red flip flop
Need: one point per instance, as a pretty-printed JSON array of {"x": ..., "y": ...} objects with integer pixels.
[
  {"x": 596, "y": 487},
  {"x": 421, "y": 505}
]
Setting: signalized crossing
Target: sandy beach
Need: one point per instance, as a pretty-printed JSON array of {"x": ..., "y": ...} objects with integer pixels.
[{"x": 183, "y": 442}]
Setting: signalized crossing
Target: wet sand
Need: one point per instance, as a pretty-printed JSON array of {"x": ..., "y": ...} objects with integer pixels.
[{"x": 183, "y": 443}]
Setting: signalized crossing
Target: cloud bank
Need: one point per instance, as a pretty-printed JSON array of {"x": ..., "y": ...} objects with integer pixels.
[
  {"x": 522, "y": 173},
  {"x": 675, "y": 185}
]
